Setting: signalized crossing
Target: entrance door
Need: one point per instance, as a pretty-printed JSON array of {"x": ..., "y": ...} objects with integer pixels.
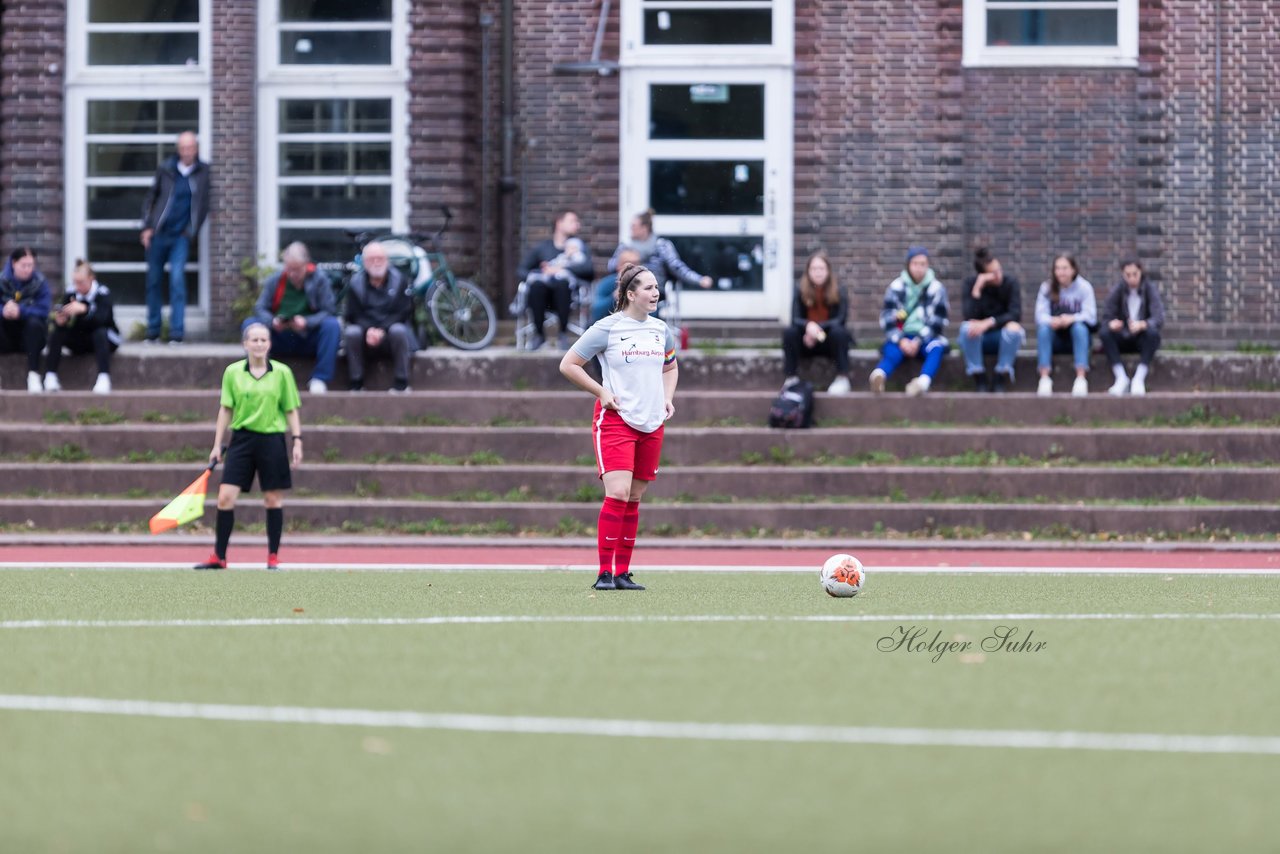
[{"x": 709, "y": 150}]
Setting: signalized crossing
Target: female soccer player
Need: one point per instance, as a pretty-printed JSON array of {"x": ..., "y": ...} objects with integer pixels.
[
  {"x": 259, "y": 396},
  {"x": 638, "y": 368}
]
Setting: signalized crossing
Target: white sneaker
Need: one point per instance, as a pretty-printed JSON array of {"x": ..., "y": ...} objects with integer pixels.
[
  {"x": 33, "y": 383},
  {"x": 877, "y": 381},
  {"x": 840, "y": 385},
  {"x": 1080, "y": 388},
  {"x": 51, "y": 383},
  {"x": 791, "y": 380},
  {"x": 317, "y": 387},
  {"x": 1138, "y": 387},
  {"x": 917, "y": 386},
  {"x": 1120, "y": 387},
  {"x": 103, "y": 385},
  {"x": 1045, "y": 388}
]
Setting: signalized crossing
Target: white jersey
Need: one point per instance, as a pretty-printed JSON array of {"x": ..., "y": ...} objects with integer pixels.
[{"x": 633, "y": 354}]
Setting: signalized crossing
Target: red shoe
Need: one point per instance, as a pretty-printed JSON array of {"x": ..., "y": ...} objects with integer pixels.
[
  {"x": 214, "y": 562},
  {"x": 273, "y": 562}
]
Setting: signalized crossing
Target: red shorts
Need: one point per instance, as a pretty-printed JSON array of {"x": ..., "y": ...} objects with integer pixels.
[{"x": 621, "y": 447}]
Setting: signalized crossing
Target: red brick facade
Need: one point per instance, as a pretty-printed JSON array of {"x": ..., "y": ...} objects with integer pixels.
[{"x": 895, "y": 142}]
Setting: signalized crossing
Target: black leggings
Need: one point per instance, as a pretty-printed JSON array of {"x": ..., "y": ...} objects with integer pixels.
[
  {"x": 80, "y": 339},
  {"x": 555, "y": 290},
  {"x": 24, "y": 334}
]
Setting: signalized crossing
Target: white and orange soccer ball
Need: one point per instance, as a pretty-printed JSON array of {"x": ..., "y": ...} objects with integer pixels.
[{"x": 843, "y": 576}]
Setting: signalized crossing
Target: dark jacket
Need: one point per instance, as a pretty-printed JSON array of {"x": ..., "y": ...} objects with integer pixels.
[
  {"x": 838, "y": 313},
  {"x": 319, "y": 291},
  {"x": 379, "y": 307},
  {"x": 33, "y": 296},
  {"x": 160, "y": 196},
  {"x": 101, "y": 311},
  {"x": 578, "y": 263},
  {"x": 1003, "y": 302},
  {"x": 1117, "y": 305}
]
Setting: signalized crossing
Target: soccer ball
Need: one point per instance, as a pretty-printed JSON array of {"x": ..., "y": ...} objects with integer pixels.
[{"x": 843, "y": 576}]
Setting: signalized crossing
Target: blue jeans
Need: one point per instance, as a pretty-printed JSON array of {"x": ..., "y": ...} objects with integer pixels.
[
  {"x": 932, "y": 354},
  {"x": 174, "y": 250},
  {"x": 1074, "y": 340},
  {"x": 319, "y": 341},
  {"x": 1003, "y": 342}
]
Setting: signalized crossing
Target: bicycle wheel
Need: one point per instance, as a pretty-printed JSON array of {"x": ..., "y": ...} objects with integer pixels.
[{"x": 463, "y": 314}]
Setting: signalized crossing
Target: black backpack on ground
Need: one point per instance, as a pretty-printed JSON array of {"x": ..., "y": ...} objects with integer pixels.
[{"x": 793, "y": 407}]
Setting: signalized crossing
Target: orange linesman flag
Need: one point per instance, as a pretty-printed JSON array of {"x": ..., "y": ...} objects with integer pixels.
[{"x": 187, "y": 507}]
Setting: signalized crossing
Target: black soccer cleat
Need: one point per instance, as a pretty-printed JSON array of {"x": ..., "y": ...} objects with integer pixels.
[
  {"x": 605, "y": 581},
  {"x": 624, "y": 582}
]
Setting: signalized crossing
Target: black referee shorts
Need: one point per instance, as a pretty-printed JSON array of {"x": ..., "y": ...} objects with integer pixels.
[{"x": 263, "y": 454}]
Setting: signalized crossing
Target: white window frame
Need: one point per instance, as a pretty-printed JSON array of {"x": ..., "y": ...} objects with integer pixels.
[
  {"x": 269, "y": 179},
  {"x": 269, "y": 27},
  {"x": 978, "y": 54},
  {"x": 781, "y": 52},
  {"x": 79, "y": 28}
]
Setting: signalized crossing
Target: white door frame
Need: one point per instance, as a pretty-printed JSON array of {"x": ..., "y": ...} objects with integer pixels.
[{"x": 774, "y": 224}]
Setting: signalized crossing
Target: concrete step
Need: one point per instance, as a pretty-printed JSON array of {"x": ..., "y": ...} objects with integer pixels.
[
  {"x": 694, "y": 407},
  {"x": 675, "y": 519},
  {"x": 682, "y": 446},
  {"x": 502, "y": 368},
  {"x": 706, "y": 483}
]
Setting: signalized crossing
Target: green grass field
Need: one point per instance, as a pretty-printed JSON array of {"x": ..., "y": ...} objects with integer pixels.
[{"x": 92, "y": 782}]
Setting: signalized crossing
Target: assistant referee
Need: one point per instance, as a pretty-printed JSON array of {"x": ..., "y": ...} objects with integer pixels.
[{"x": 259, "y": 399}]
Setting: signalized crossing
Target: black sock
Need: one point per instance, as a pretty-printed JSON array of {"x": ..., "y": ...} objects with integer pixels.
[
  {"x": 275, "y": 526},
  {"x": 226, "y": 521}
]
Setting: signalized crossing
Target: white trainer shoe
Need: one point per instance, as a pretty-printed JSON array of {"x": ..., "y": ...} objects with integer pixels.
[
  {"x": 1120, "y": 387},
  {"x": 840, "y": 385},
  {"x": 317, "y": 387},
  {"x": 1138, "y": 387},
  {"x": 103, "y": 385},
  {"x": 1080, "y": 388},
  {"x": 1045, "y": 388},
  {"x": 34, "y": 385},
  {"x": 876, "y": 381},
  {"x": 51, "y": 383},
  {"x": 917, "y": 386}
]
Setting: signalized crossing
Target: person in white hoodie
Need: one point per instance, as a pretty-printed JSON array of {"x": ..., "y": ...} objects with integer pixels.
[{"x": 1066, "y": 315}]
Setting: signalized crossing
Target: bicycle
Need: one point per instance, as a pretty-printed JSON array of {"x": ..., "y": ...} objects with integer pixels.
[{"x": 455, "y": 309}]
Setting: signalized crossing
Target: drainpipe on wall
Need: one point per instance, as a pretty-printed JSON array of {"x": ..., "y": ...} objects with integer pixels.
[
  {"x": 507, "y": 184},
  {"x": 1218, "y": 309},
  {"x": 486, "y": 202}
]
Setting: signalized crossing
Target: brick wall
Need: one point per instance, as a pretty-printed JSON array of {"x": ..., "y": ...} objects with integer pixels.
[
  {"x": 233, "y": 218},
  {"x": 32, "y": 48}
]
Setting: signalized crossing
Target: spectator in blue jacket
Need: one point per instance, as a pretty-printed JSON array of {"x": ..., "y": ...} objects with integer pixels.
[
  {"x": 913, "y": 317},
  {"x": 24, "y": 319},
  {"x": 298, "y": 306},
  {"x": 603, "y": 301}
]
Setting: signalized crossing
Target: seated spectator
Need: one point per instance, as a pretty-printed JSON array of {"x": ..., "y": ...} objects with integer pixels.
[
  {"x": 379, "y": 316},
  {"x": 1066, "y": 314},
  {"x": 298, "y": 306},
  {"x": 550, "y": 271},
  {"x": 1131, "y": 321},
  {"x": 84, "y": 323},
  {"x": 818, "y": 314},
  {"x": 658, "y": 254},
  {"x": 913, "y": 317},
  {"x": 602, "y": 303},
  {"x": 992, "y": 308},
  {"x": 24, "y": 320}
]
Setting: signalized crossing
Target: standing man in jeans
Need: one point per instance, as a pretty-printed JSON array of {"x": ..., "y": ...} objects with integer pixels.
[{"x": 172, "y": 214}]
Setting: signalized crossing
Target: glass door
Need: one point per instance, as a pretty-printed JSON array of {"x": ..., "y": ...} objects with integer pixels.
[{"x": 709, "y": 151}]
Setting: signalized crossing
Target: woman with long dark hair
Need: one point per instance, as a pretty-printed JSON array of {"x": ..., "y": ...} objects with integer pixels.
[
  {"x": 818, "y": 314},
  {"x": 1066, "y": 315}
]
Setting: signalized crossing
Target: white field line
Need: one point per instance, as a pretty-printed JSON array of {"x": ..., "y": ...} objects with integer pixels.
[
  {"x": 641, "y": 569},
  {"x": 740, "y": 732},
  {"x": 505, "y": 619}
]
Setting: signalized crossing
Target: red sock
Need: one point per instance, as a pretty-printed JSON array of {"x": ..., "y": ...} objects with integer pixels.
[
  {"x": 609, "y": 532},
  {"x": 626, "y": 545}
]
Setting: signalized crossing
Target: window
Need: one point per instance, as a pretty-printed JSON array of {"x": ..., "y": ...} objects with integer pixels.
[
  {"x": 721, "y": 31},
  {"x": 128, "y": 33},
  {"x": 354, "y": 34},
  {"x": 1051, "y": 32}
]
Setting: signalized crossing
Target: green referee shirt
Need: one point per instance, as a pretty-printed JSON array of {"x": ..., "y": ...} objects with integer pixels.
[{"x": 259, "y": 404}]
